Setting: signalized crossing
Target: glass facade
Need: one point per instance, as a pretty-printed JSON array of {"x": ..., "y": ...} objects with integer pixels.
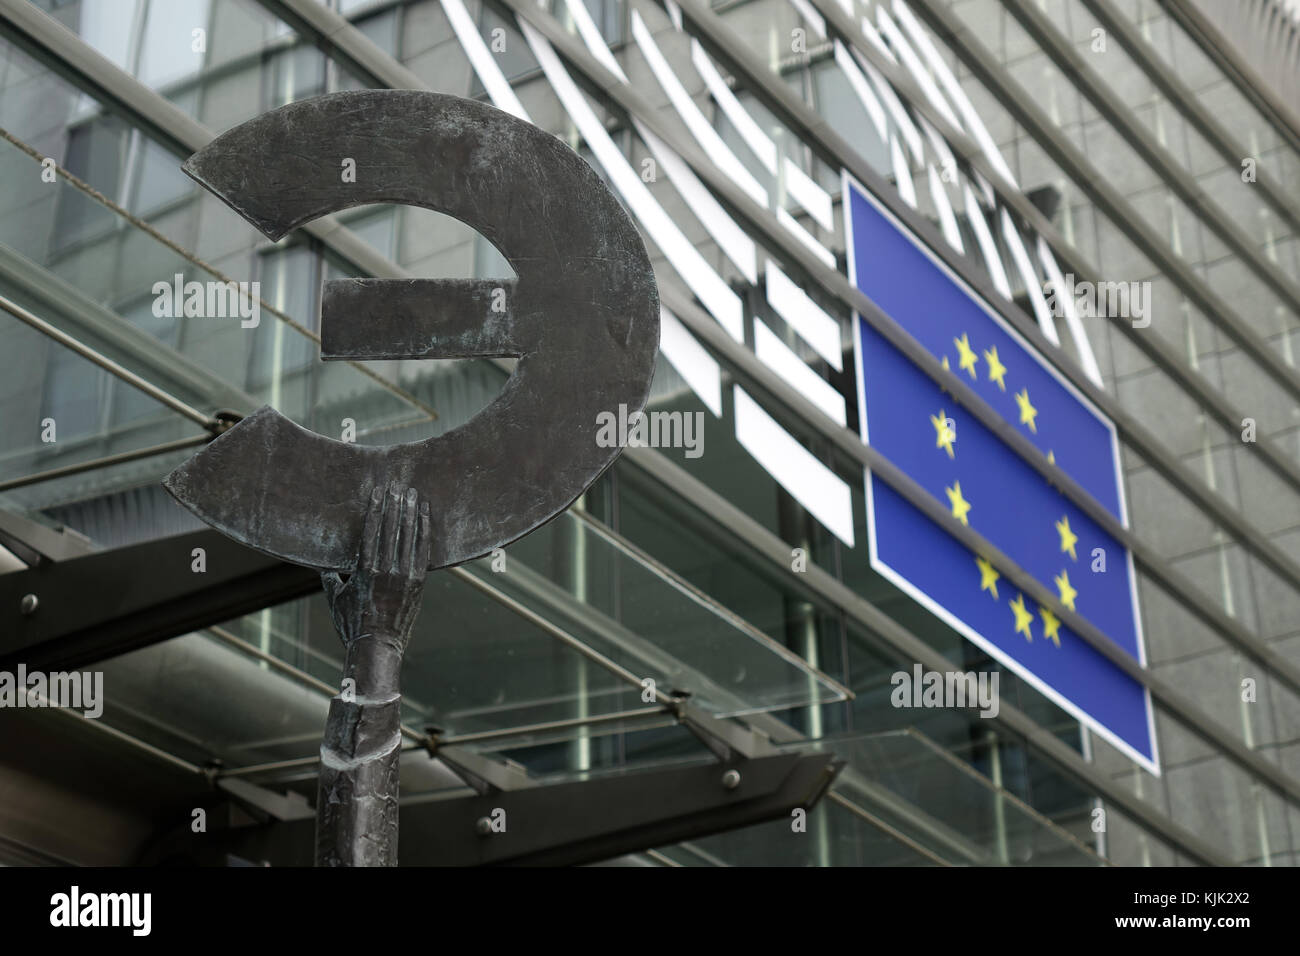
[{"x": 1022, "y": 140}]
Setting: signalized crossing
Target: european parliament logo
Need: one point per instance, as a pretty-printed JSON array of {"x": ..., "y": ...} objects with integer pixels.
[{"x": 987, "y": 486}]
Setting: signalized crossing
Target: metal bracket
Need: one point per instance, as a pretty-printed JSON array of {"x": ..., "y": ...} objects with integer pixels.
[
  {"x": 576, "y": 822},
  {"x": 103, "y": 603},
  {"x": 482, "y": 773},
  {"x": 726, "y": 738},
  {"x": 35, "y": 543},
  {"x": 267, "y": 803}
]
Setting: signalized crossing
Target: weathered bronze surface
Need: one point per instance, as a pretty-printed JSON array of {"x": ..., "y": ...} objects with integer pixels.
[
  {"x": 374, "y": 611},
  {"x": 582, "y": 317}
]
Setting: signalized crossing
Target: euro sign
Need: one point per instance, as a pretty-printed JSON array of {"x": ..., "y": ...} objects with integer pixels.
[{"x": 581, "y": 318}]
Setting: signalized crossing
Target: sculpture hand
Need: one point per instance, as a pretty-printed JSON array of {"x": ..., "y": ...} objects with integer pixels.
[
  {"x": 382, "y": 596},
  {"x": 374, "y": 611}
]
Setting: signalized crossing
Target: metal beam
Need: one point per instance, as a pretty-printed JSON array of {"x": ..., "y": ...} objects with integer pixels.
[
  {"x": 739, "y": 525},
  {"x": 814, "y": 130},
  {"x": 828, "y": 143},
  {"x": 71, "y": 311},
  {"x": 1235, "y": 67},
  {"x": 1176, "y": 705},
  {"x": 577, "y": 822},
  {"x": 338, "y": 39},
  {"x": 895, "y": 641},
  {"x": 106, "y": 461},
  {"x": 36, "y": 543},
  {"x": 110, "y": 602},
  {"x": 86, "y": 68},
  {"x": 1184, "y": 100},
  {"x": 1023, "y": 107},
  {"x": 965, "y": 395},
  {"x": 1066, "y": 58},
  {"x": 672, "y": 476},
  {"x": 108, "y": 365},
  {"x": 345, "y": 39},
  {"x": 1180, "y": 707},
  {"x": 805, "y": 419}
]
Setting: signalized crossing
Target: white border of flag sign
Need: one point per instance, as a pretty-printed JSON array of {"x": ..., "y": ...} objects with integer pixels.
[{"x": 914, "y": 590}]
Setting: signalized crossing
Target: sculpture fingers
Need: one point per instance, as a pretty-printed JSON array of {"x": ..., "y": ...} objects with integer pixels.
[
  {"x": 371, "y": 529},
  {"x": 333, "y": 584},
  {"x": 409, "y": 531},
  {"x": 386, "y": 557},
  {"x": 423, "y": 543}
]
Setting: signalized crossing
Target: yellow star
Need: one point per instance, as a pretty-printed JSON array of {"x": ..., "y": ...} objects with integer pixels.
[
  {"x": 1027, "y": 411},
  {"x": 959, "y": 504},
  {"x": 1068, "y": 537},
  {"x": 1068, "y": 593},
  {"x": 997, "y": 371},
  {"x": 1023, "y": 617},
  {"x": 988, "y": 576},
  {"x": 944, "y": 435},
  {"x": 968, "y": 357},
  {"x": 1050, "y": 625},
  {"x": 1051, "y": 456}
]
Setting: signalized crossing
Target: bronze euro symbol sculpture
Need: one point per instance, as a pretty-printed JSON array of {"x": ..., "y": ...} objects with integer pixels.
[{"x": 581, "y": 317}]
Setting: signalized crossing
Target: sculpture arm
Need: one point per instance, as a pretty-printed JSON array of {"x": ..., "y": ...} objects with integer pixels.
[{"x": 374, "y": 611}]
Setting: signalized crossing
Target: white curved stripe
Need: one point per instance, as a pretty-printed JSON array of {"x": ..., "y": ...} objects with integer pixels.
[
  {"x": 894, "y": 105},
  {"x": 1077, "y": 332},
  {"x": 801, "y": 187},
  {"x": 914, "y": 66},
  {"x": 691, "y": 115},
  {"x": 796, "y": 229},
  {"x": 947, "y": 219},
  {"x": 902, "y": 174},
  {"x": 782, "y": 359},
  {"x": 821, "y": 492},
  {"x": 814, "y": 19},
  {"x": 698, "y": 275},
  {"x": 674, "y": 14},
  {"x": 868, "y": 99},
  {"x": 592, "y": 37},
  {"x": 940, "y": 145},
  {"x": 1029, "y": 276},
  {"x": 749, "y": 130},
  {"x": 988, "y": 248},
  {"x": 483, "y": 62},
  {"x": 974, "y": 122},
  {"x": 806, "y": 317},
  {"x": 692, "y": 361},
  {"x": 938, "y": 188},
  {"x": 877, "y": 41},
  {"x": 734, "y": 242}
]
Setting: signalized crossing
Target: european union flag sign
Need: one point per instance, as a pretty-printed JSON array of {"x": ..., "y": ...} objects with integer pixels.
[{"x": 987, "y": 486}]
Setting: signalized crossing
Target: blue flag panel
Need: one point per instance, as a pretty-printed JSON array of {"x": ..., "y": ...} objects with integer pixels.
[{"x": 987, "y": 486}]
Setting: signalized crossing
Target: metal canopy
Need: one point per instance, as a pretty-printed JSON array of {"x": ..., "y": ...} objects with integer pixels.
[
  {"x": 576, "y": 822},
  {"x": 106, "y": 603}
]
